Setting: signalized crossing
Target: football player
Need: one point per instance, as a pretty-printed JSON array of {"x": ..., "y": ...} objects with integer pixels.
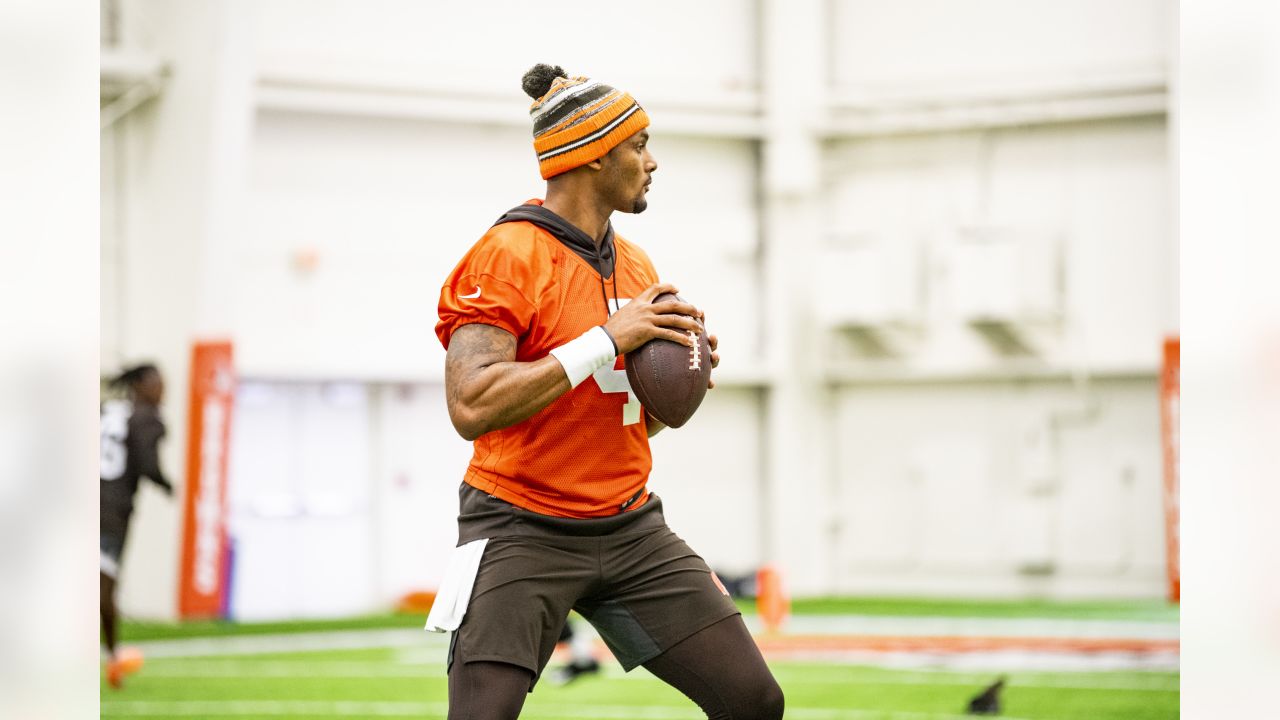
[
  {"x": 131, "y": 431},
  {"x": 555, "y": 513}
]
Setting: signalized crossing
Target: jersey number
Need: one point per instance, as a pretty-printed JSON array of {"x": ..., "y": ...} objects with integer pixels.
[
  {"x": 115, "y": 426},
  {"x": 615, "y": 381}
]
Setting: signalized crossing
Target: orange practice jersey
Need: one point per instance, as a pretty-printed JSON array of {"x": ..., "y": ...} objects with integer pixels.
[{"x": 587, "y": 453}]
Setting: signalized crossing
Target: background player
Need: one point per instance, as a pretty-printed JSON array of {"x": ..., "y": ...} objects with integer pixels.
[
  {"x": 131, "y": 431},
  {"x": 555, "y": 514},
  {"x": 582, "y": 661}
]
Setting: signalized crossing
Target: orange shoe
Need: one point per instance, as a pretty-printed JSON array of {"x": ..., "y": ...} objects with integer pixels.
[
  {"x": 126, "y": 661},
  {"x": 115, "y": 674}
]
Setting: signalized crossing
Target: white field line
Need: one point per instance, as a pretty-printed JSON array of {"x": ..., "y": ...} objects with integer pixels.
[
  {"x": 787, "y": 676},
  {"x": 223, "y": 708}
]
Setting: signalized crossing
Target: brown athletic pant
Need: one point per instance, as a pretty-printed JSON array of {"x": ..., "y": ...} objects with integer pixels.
[{"x": 719, "y": 668}]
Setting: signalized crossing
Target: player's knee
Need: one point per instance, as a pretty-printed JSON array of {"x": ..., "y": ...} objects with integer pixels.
[
  {"x": 763, "y": 701},
  {"x": 773, "y": 703},
  {"x": 768, "y": 702}
]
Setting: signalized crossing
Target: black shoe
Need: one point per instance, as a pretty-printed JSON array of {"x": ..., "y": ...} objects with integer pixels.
[
  {"x": 575, "y": 670},
  {"x": 988, "y": 702}
]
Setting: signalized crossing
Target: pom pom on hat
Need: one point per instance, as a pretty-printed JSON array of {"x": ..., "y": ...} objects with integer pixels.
[{"x": 538, "y": 80}]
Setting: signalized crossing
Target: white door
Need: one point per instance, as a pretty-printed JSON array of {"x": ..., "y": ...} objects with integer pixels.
[{"x": 300, "y": 489}]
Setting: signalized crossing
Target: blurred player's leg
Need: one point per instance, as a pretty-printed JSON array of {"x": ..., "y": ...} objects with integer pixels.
[
  {"x": 487, "y": 690},
  {"x": 120, "y": 661},
  {"x": 107, "y": 608},
  {"x": 582, "y": 660},
  {"x": 743, "y": 689}
]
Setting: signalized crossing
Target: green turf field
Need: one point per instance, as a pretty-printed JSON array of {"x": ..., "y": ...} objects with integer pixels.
[
  {"x": 408, "y": 680},
  {"x": 375, "y": 683}
]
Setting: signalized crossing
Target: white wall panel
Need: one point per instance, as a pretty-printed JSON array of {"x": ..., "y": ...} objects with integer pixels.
[
  {"x": 336, "y": 531},
  {"x": 299, "y": 498},
  {"x": 940, "y": 44},
  {"x": 955, "y": 466},
  {"x": 928, "y": 458},
  {"x": 934, "y": 494},
  {"x": 898, "y": 183},
  {"x": 421, "y": 461},
  {"x": 701, "y": 232},
  {"x": 1110, "y": 479},
  {"x": 262, "y": 502},
  {"x": 486, "y": 47},
  {"x": 1101, "y": 189},
  {"x": 1122, "y": 242},
  {"x": 708, "y": 474},
  {"x": 388, "y": 207}
]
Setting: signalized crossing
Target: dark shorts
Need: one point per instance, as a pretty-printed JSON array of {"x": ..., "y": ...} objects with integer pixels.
[
  {"x": 630, "y": 576},
  {"x": 113, "y": 527}
]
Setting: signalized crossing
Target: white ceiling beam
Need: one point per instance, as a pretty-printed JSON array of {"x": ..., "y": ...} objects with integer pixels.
[
  {"x": 1040, "y": 101},
  {"x": 734, "y": 115},
  {"x": 848, "y": 114}
]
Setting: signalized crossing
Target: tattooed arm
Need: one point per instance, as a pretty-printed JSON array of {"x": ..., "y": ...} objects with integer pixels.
[{"x": 487, "y": 389}]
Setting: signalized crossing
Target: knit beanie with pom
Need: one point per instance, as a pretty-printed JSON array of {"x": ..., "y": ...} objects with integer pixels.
[{"x": 577, "y": 120}]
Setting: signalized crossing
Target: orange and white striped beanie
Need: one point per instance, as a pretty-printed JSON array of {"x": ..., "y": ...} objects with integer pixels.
[{"x": 577, "y": 120}]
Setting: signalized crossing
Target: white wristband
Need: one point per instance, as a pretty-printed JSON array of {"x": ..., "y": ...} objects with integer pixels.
[{"x": 585, "y": 354}]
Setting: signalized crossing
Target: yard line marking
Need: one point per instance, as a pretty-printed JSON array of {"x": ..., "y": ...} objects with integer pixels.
[{"x": 204, "y": 708}]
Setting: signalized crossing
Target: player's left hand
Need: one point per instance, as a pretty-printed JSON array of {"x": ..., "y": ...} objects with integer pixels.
[{"x": 714, "y": 342}]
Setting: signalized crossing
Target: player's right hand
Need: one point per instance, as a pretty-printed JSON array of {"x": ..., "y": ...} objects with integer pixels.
[{"x": 642, "y": 320}]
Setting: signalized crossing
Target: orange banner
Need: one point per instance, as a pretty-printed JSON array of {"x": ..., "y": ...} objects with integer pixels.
[
  {"x": 1170, "y": 382},
  {"x": 202, "y": 582}
]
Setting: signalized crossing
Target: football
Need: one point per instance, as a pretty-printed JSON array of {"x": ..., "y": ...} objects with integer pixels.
[{"x": 670, "y": 379}]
